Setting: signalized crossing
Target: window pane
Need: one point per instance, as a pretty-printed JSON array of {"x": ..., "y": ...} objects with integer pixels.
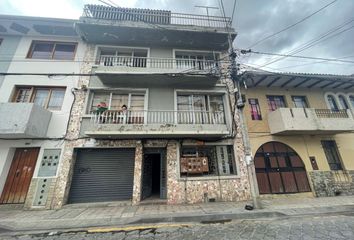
[
  {"x": 137, "y": 102},
  {"x": 275, "y": 102},
  {"x": 118, "y": 100},
  {"x": 332, "y": 103},
  {"x": 255, "y": 110},
  {"x": 98, "y": 98},
  {"x": 351, "y": 99},
  {"x": 184, "y": 103},
  {"x": 42, "y": 50},
  {"x": 343, "y": 102},
  {"x": 56, "y": 99},
  {"x": 41, "y": 96},
  {"x": 207, "y": 161},
  {"x": 199, "y": 103},
  {"x": 64, "y": 51},
  {"x": 23, "y": 95},
  {"x": 332, "y": 154},
  {"x": 216, "y": 104},
  {"x": 300, "y": 101}
]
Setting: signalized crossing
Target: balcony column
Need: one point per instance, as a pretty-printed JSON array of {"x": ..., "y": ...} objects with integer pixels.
[{"x": 137, "y": 173}]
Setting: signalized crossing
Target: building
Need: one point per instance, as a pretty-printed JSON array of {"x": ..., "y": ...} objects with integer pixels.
[
  {"x": 301, "y": 132},
  {"x": 152, "y": 112},
  {"x": 34, "y": 106}
]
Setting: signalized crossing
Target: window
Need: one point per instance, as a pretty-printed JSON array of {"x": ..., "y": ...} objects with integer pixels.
[
  {"x": 52, "y": 50},
  {"x": 199, "y": 108},
  {"x": 123, "y": 57},
  {"x": 351, "y": 99},
  {"x": 332, "y": 154},
  {"x": 275, "y": 102},
  {"x": 300, "y": 101},
  {"x": 199, "y": 161},
  {"x": 200, "y": 61},
  {"x": 255, "y": 110},
  {"x": 332, "y": 103},
  {"x": 343, "y": 102},
  {"x": 115, "y": 100},
  {"x": 46, "y": 97}
]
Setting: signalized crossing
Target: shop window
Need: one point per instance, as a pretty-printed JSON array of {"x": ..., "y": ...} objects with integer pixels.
[
  {"x": 207, "y": 161},
  {"x": 46, "y": 97},
  {"x": 255, "y": 109},
  {"x": 52, "y": 50},
  {"x": 300, "y": 101},
  {"x": 275, "y": 102},
  {"x": 332, "y": 154}
]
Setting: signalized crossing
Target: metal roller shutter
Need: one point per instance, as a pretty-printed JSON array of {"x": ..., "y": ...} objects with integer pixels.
[{"x": 102, "y": 175}]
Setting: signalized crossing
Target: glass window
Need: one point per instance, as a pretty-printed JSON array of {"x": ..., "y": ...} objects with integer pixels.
[
  {"x": 137, "y": 103},
  {"x": 199, "y": 161},
  {"x": 52, "y": 50},
  {"x": 98, "y": 98},
  {"x": 42, "y": 50},
  {"x": 332, "y": 103},
  {"x": 204, "y": 109},
  {"x": 255, "y": 109},
  {"x": 332, "y": 154},
  {"x": 49, "y": 98},
  {"x": 275, "y": 102},
  {"x": 115, "y": 101},
  {"x": 300, "y": 101},
  {"x": 64, "y": 51},
  {"x": 351, "y": 99},
  {"x": 56, "y": 99},
  {"x": 118, "y": 100},
  {"x": 343, "y": 102}
]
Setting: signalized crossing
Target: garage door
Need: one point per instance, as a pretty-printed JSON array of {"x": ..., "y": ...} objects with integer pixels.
[{"x": 102, "y": 175}]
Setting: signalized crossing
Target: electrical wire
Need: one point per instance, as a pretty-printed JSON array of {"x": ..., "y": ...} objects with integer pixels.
[{"x": 292, "y": 25}]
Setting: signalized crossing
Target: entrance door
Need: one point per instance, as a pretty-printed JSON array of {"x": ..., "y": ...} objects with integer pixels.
[
  {"x": 19, "y": 176},
  {"x": 154, "y": 175},
  {"x": 279, "y": 169}
]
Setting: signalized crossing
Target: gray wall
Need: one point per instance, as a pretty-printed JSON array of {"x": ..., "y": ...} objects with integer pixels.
[
  {"x": 7, "y": 50},
  {"x": 161, "y": 99}
]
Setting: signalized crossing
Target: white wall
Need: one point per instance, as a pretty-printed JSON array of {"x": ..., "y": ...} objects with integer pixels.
[{"x": 21, "y": 64}]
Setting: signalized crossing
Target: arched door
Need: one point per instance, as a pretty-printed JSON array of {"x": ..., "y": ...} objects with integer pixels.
[{"x": 279, "y": 169}]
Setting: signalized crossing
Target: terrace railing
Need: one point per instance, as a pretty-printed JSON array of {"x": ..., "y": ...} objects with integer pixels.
[{"x": 154, "y": 16}]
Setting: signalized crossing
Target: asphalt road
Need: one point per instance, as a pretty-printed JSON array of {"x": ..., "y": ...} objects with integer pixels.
[{"x": 310, "y": 227}]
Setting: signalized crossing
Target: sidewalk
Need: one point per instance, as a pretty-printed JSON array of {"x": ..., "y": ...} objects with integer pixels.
[{"x": 112, "y": 214}]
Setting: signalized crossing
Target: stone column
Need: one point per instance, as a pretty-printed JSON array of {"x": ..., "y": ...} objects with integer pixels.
[{"x": 137, "y": 173}]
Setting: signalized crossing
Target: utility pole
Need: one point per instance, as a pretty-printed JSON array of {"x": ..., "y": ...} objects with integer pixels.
[
  {"x": 242, "y": 124},
  {"x": 207, "y": 10}
]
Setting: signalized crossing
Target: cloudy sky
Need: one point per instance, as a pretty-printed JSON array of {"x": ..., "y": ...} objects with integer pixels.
[{"x": 253, "y": 20}]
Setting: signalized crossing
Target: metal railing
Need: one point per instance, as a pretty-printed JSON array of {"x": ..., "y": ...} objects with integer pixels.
[
  {"x": 158, "y": 117},
  {"x": 328, "y": 113},
  {"x": 154, "y": 16},
  {"x": 164, "y": 63}
]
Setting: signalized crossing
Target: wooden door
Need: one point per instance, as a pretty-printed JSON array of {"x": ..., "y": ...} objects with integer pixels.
[
  {"x": 19, "y": 176},
  {"x": 279, "y": 169}
]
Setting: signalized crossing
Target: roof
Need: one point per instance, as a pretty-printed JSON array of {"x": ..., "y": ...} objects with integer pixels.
[{"x": 258, "y": 78}]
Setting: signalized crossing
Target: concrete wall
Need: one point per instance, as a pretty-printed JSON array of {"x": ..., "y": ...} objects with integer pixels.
[{"x": 8, "y": 48}]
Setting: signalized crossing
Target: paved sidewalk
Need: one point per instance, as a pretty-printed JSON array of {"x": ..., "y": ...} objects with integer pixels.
[{"x": 112, "y": 214}]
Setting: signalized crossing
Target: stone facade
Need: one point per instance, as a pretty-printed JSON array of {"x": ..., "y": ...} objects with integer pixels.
[{"x": 332, "y": 183}]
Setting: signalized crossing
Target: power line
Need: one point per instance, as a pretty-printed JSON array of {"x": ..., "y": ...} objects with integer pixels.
[
  {"x": 296, "y": 56},
  {"x": 292, "y": 25},
  {"x": 315, "y": 41},
  {"x": 233, "y": 11}
]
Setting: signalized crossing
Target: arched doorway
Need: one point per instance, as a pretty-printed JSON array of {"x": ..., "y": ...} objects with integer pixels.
[{"x": 279, "y": 169}]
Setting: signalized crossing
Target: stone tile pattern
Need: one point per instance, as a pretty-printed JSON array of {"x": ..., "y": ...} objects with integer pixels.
[{"x": 326, "y": 183}]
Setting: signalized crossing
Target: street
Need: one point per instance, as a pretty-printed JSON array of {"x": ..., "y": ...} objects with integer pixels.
[{"x": 315, "y": 227}]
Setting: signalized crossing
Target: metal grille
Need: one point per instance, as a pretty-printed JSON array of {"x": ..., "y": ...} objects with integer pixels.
[{"x": 103, "y": 175}]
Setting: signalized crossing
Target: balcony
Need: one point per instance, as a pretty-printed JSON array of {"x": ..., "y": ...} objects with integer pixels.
[
  {"x": 153, "y": 123},
  {"x": 285, "y": 121},
  {"x": 145, "y": 27},
  {"x": 23, "y": 120}
]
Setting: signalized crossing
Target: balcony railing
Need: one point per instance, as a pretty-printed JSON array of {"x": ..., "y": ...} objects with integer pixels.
[
  {"x": 328, "y": 113},
  {"x": 162, "y": 63},
  {"x": 158, "y": 117},
  {"x": 154, "y": 16}
]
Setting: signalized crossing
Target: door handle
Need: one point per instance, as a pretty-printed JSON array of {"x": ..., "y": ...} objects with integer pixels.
[{"x": 17, "y": 173}]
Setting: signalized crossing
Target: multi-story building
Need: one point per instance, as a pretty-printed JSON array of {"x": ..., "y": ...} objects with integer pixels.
[
  {"x": 35, "y": 103},
  {"x": 301, "y": 132},
  {"x": 152, "y": 113}
]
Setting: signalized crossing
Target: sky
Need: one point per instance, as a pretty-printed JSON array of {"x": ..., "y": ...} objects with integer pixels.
[{"x": 253, "y": 20}]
